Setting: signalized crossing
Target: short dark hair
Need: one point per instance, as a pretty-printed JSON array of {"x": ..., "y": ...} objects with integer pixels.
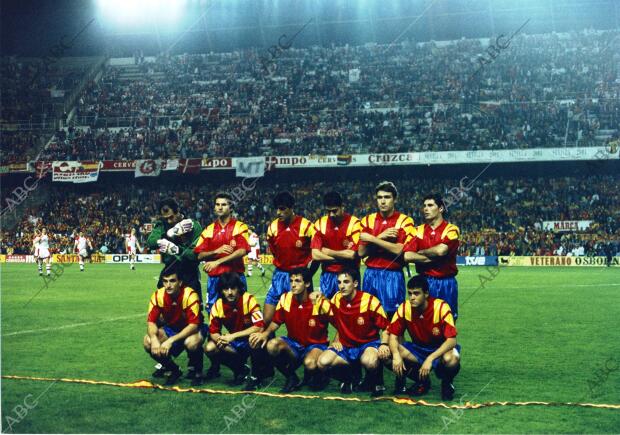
[
  {"x": 387, "y": 186},
  {"x": 224, "y": 195},
  {"x": 284, "y": 199},
  {"x": 438, "y": 200},
  {"x": 306, "y": 275},
  {"x": 332, "y": 199},
  {"x": 353, "y": 273},
  {"x": 230, "y": 280},
  {"x": 171, "y": 203},
  {"x": 418, "y": 281},
  {"x": 172, "y": 269}
]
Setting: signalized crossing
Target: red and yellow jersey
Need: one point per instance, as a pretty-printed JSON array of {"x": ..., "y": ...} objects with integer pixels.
[
  {"x": 176, "y": 312},
  {"x": 237, "y": 316},
  {"x": 306, "y": 323},
  {"x": 375, "y": 224},
  {"x": 358, "y": 321},
  {"x": 429, "y": 329},
  {"x": 234, "y": 233},
  {"x": 290, "y": 244},
  {"x": 427, "y": 237},
  {"x": 340, "y": 237}
]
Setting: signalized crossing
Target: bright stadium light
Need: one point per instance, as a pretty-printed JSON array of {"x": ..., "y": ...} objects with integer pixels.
[{"x": 134, "y": 14}]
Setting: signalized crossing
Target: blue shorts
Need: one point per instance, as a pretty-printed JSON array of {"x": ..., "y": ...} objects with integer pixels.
[
  {"x": 212, "y": 293},
  {"x": 421, "y": 352},
  {"x": 280, "y": 284},
  {"x": 446, "y": 289},
  {"x": 329, "y": 284},
  {"x": 387, "y": 285},
  {"x": 351, "y": 354},
  {"x": 178, "y": 346},
  {"x": 241, "y": 346},
  {"x": 299, "y": 350}
]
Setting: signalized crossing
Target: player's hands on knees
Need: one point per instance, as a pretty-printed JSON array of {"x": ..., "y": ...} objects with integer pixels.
[
  {"x": 426, "y": 368},
  {"x": 384, "y": 352},
  {"x": 398, "y": 365},
  {"x": 223, "y": 341},
  {"x": 258, "y": 339},
  {"x": 155, "y": 348},
  {"x": 336, "y": 345},
  {"x": 165, "y": 347}
]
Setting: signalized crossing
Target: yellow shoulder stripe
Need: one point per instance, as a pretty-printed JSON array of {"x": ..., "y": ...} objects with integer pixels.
[
  {"x": 239, "y": 228},
  {"x": 407, "y": 311},
  {"x": 451, "y": 231},
  {"x": 287, "y": 299},
  {"x": 366, "y": 298},
  {"x": 160, "y": 297},
  {"x": 336, "y": 299},
  {"x": 305, "y": 228},
  {"x": 400, "y": 221}
]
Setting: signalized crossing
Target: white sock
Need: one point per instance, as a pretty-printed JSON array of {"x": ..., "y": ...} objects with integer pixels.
[{"x": 48, "y": 268}]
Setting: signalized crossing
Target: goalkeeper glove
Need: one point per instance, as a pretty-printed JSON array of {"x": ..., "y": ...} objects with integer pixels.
[
  {"x": 167, "y": 247},
  {"x": 185, "y": 226}
]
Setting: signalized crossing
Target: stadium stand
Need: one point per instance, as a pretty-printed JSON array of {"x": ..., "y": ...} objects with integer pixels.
[
  {"x": 552, "y": 90},
  {"x": 498, "y": 216}
]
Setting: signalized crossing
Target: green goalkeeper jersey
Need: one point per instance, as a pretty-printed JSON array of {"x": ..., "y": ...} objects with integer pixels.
[{"x": 185, "y": 242}]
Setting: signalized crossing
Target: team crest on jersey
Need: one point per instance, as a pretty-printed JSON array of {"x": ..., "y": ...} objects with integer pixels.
[
  {"x": 436, "y": 331},
  {"x": 233, "y": 243},
  {"x": 360, "y": 320},
  {"x": 347, "y": 244},
  {"x": 311, "y": 323},
  {"x": 298, "y": 244}
]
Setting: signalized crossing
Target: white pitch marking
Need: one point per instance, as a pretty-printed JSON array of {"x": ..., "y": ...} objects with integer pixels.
[{"x": 72, "y": 325}]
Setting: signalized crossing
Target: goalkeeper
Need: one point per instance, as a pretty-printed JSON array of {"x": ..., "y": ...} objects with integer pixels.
[{"x": 174, "y": 237}]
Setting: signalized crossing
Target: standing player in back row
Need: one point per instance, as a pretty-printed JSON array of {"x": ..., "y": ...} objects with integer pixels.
[
  {"x": 382, "y": 233},
  {"x": 174, "y": 237},
  {"x": 433, "y": 250},
  {"x": 335, "y": 243},
  {"x": 289, "y": 239},
  {"x": 223, "y": 244}
]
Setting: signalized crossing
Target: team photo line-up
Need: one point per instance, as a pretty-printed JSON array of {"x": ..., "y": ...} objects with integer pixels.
[{"x": 370, "y": 316}]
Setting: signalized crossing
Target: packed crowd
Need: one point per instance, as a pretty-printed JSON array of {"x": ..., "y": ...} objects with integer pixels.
[
  {"x": 26, "y": 87},
  {"x": 539, "y": 91},
  {"x": 496, "y": 216}
]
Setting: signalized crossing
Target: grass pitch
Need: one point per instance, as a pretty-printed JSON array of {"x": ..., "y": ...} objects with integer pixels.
[{"x": 530, "y": 334}]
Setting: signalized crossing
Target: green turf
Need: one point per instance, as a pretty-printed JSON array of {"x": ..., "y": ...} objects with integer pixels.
[{"x": 531, "y": 334}]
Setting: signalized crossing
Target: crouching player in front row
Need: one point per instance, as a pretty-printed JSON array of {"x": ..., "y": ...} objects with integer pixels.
[
  {"x": 360, "y": 322},
  {"x": 239, "y": 312},
  {"x": 433, "y": 340},
  {"x": 306, "y": 326},
  {"x": 175, "y": 323}
]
